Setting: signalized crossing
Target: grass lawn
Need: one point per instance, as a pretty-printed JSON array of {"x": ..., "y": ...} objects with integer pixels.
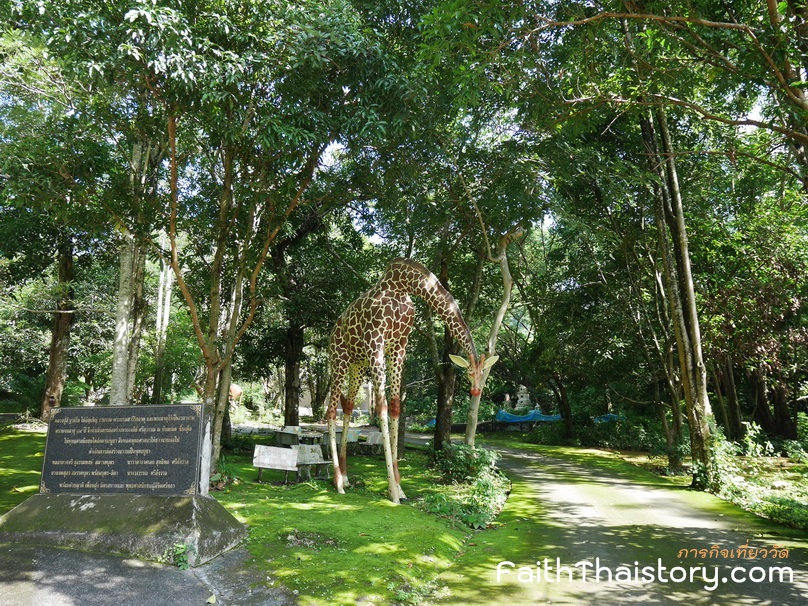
[
  {"x": 346, "y": 549},
  {"x": 21, "y": 455}
]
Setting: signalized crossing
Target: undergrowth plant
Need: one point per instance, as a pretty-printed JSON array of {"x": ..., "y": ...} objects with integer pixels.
[
  {"x": 635, "y": 433},
  {"x": 749, "y": 482},
  {"x": 479, "y": 488}
]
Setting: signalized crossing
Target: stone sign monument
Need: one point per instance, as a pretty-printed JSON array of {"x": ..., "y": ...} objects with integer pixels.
[
  {"x": 135, "y": 450},
  {"x": 127, "y": 479}
]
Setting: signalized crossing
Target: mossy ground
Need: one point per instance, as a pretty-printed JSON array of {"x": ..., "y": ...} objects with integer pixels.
[
  {"x": 344, "y": 549},
  {"x": 21, "y": 455},
  {"x": 323, "y": 546}
]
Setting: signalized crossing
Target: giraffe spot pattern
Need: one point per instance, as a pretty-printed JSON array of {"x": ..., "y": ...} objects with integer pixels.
[{"x": 369, "y": 339}]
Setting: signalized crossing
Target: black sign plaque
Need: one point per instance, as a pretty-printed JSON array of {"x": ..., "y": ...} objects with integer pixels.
[{"x": 123, "y": 449}]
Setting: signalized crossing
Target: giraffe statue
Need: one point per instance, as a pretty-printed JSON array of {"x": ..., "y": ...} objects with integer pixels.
[{"x": 370, "y": 338}]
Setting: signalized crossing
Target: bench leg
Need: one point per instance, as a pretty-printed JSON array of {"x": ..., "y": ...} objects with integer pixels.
[{"x": 304, "y": 472}]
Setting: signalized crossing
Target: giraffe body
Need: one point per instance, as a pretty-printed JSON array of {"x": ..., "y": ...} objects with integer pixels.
[{"x": 370, "y": 338}]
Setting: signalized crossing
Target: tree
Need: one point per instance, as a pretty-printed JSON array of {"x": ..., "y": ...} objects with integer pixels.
[
  {"x": 252, "y": 100},
  {"x": 54, "y": 164}
]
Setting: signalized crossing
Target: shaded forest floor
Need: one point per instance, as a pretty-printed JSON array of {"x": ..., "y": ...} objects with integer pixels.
[{"x": 567, "y": 503}]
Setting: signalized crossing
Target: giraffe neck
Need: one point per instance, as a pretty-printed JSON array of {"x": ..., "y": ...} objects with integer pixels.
[{"x": 406, "y": 275}]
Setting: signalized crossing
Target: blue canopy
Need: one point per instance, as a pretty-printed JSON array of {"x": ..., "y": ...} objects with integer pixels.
[
  {"x": 533, "y": 415},
  {"x": 608, "y": 418}
]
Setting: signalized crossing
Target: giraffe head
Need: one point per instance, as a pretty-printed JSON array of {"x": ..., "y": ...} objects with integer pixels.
[{"x": 475, "y": 369}]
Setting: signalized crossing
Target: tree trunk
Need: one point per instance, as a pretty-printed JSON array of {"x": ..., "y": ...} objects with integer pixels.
[
  {"x": 691, "y": 360},
  {"x": 786, "y": 428},
  {"x": 238, "y": 257},
  {"x": 445, "y": 376},
  {"x": 163, "y": 312},
  {"x": 119, "y": 389},
  {"x": 317, "y": 377},
  {"x": 60, "y": 334},
  {"x": 230, "y": 317},
  {"x": 733, "y": 404},
  {"x": 446, "y": 379},
  {"x": 292, "y": 357},
  {"x": 722, "y": 406},
  {"x": 679, "y": 280},
  {"x": 673, "y": 246},
  {"x": 223, "y": 403},
  {"x": 493, "y": 334},
  {"x": 762, "y": 414},
  {"x": 671, "y": 434},
  {"x": 138, "y": 316},
  {"x": 563, "y": 403}
]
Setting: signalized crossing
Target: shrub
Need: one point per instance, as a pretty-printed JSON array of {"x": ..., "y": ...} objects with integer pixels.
[
  {"x": 552, "y": 434},
  {"x": 725, "y": 466},
  {"x": 463, "y": 463},
  {"x": 802, "y": 430},
  {"x": 794, "y": 450},
  {"x": 747, "y": 481},
  {"x": 755, "y": 442},
  {"x": 635, "y": 433},
  {"x": 480, "y": 489}
]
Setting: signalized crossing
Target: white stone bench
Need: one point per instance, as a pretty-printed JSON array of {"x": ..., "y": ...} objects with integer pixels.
[
  {"x": 353, "y": 438},
  {"x": 308, "y": 456},
  {"x": 274, "y": 457},
  {"x": 373, "y": 443}
]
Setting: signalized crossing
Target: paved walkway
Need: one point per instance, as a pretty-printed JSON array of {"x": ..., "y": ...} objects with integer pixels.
[
  {"x": 566, "y": 512},
  {"x": 47, "y": 576}
]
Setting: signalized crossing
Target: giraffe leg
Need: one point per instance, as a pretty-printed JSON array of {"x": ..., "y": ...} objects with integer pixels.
[
  {"x": 395, "y": 367},
  {"x": 339, "y": 482},
  {"x": 395, "y": 412},
  {"x": 378, "y": 383},
  {"x": 347, "y": 409},
  {"x": 337, "y": 380},
  {"x": 354, "y": 382}
]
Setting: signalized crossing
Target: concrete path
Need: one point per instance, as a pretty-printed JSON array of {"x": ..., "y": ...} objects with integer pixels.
[
  {"x": 595, "y": 523},
  {"x": 46, "y": 576}
]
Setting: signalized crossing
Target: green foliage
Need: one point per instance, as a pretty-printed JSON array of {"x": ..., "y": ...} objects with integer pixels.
[
  {"x": 802, "y": 429},
  {"x": 634, "y": 433},
  {"x": 463, "y": 463},
  {"x": 752, "y": 482},
  {"x": 225, "y": 473},
  {"x": 479, "y": 489},
  {"x": 180, "y": 555},
  {"x": 420, "y": 428},
  {"x": 794, "y": 450},
  {"x": 755, "y": 443},
  {"x": 26, "y": 394}
]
